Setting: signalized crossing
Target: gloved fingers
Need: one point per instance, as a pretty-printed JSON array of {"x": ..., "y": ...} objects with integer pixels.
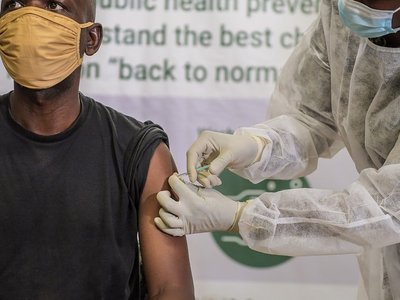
[
  {"x": 183, "y": 190},
  {"x": 214, "y": 180},
  {"x": 204, "y": 181},
  {"x": 208, "y": 180},
  {"x": 220, "y": 163},
  {"x": 171, "y": 231},
  {"x": 197, "y": 154},
  {"x": 167, "y": 203},
  {"x": 160, "y": 224},
  {"x": 169, "y": 219},
  {"x": 192, "y": 160}
]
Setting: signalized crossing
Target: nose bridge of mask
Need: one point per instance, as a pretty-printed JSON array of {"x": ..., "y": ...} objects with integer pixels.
[{"x": 53, "y": 18}]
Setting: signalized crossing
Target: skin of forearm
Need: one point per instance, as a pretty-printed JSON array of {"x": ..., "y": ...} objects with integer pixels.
[{"x": 172, "y": 294}]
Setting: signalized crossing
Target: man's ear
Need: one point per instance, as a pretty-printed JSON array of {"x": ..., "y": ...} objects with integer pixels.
[{"x": 94, "y": 37}]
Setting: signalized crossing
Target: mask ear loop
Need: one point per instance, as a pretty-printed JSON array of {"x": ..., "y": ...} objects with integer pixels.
[
  {"x": 88, "y": 24},
  {"x": 395, "y": 11},
  {"x": 82, "y": 26}
]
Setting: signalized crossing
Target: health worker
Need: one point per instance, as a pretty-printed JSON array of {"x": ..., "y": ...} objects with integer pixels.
[{"x": 339, "y": 88}]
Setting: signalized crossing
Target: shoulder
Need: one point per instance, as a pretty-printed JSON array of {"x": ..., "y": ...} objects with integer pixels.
[
  {"x": 124, "y": 127},
  {"x": 162, "y": 159},
  {"x": 105, "y": 112}
]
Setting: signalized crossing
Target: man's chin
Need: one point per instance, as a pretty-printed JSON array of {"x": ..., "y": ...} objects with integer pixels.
[{"x": 52, "y": 91}]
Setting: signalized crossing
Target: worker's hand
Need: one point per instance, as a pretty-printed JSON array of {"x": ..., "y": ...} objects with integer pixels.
[
  {"x": 197, "y": 210},
  {"x": 220, "y": 151}
]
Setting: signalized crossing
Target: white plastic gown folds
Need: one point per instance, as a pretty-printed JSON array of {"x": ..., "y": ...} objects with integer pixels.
[{"x": 336, "y": 90}]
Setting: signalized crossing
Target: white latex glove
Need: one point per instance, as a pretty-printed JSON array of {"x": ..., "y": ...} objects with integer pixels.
[
  {"x": 220, "y": 151},
  {"x": 197, "y": 210}
]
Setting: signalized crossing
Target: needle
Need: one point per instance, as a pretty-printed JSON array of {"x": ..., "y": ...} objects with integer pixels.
[{"x": 199, "y": 169}]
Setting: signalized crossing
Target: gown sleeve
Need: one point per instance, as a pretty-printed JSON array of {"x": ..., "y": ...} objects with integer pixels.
[{"x": 365, "y": 215}]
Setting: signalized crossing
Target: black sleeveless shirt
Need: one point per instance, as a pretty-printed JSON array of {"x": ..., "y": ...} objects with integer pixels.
[{"x": 69, "y": 205}]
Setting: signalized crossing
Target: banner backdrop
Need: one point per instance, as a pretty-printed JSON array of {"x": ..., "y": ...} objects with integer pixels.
[{"x": 191, "y": 65}]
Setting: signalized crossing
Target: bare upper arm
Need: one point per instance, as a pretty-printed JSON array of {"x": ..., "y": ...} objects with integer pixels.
[{"x": 165, "y": 258}]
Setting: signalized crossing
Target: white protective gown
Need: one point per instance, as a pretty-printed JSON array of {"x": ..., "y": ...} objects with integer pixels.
[{"x": 335, "y": 90}]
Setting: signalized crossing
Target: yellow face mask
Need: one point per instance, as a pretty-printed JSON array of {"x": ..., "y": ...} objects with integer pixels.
[{"x": 39, "y": 48}]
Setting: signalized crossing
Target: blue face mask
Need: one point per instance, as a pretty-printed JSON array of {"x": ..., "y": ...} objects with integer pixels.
[{"x": 365, "y": 21}]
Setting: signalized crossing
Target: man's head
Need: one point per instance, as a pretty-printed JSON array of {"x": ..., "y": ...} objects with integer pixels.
[{"x": 47, "y": 22}]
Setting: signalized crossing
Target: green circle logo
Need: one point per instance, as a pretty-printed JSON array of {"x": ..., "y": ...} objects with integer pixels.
[{"x": 240, "y": 189}]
